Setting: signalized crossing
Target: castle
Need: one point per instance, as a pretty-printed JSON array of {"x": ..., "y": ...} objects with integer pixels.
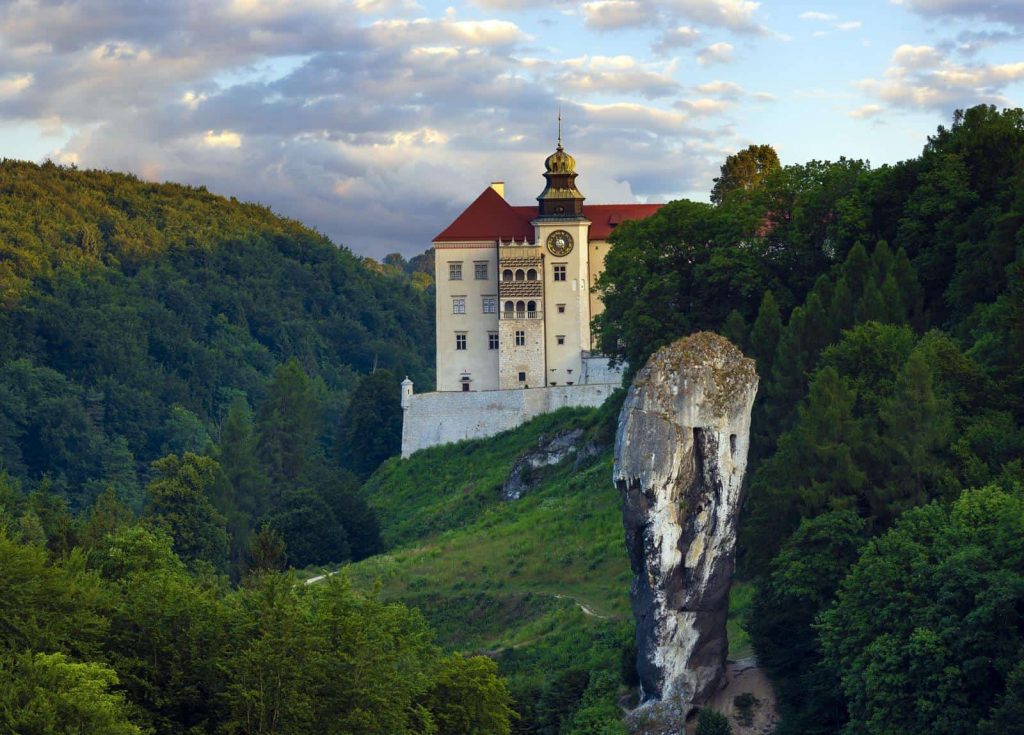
[{"x": 514, "y": 305}]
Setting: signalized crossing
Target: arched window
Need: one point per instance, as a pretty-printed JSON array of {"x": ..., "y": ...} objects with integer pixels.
[
  {"x": 509, "y": 307},
  {"x": 531, "y": 306},
  {"x": 531, "y": 275},
  {"x": 520, "y": 275},
  {"x": 506, "y": 275},
  {"x": 520, "y": 307}
]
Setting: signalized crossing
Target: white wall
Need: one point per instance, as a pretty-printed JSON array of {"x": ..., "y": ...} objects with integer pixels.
[
  {"x": 477, "y": 362},
  {"x": 442, "y": 418}
]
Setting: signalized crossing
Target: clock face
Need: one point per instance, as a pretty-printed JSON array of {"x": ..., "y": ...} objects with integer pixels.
[{"x": 560, "y": 243}]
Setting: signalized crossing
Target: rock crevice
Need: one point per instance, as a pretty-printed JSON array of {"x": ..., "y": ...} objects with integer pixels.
[{"x": 680, "y": 457}]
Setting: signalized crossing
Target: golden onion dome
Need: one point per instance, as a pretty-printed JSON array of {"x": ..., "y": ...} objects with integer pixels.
[{"x": 560, "y": 162}]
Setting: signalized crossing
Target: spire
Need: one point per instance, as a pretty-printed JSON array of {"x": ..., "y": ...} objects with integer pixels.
[{"x": 560, "y": 197}]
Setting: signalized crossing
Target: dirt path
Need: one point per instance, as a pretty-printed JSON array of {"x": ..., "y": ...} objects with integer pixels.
[{"x": 586, "y": 610}]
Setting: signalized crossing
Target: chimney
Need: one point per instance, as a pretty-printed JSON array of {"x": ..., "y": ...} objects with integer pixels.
[{"x": 499, "y": 186}]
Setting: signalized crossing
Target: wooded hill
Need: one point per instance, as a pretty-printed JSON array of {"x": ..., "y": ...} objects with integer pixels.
[{"x": 139, "y": 320}]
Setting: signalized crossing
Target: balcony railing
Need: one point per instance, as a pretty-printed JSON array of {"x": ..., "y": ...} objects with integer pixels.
[{"x": 520, "y": 315}]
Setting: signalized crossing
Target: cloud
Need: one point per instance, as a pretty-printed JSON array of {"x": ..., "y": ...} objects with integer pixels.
[
  {"x": 867, "y": 111},
  {"x": 222, "y": 139},
  {"x": 674, "y": 38},
  {"x": 738, "y": 16},
  {"x": 726, "y": 90},
  {"x": 614, "y": 14},
  {"x": 1010, "y": 12},
  {"x": 705, "y": 106},
  {"x": 814, "y": 15},
  {"x": 716, "y": 53},
  {"x": 614, "y": 74},
  {"x": 12, "y": 85},
  {"x": 921, "y": 77},
  {"x": 849, "y": 25}
]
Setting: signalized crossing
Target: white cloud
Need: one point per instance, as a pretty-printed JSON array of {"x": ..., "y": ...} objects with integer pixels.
[
  {"x": 10, "y": 86},
  {"x": 849, "y": 25},
  {"x": 706, "y": 106},
  {"x": 727, "y": 90},
  {"x": 674, "y": 38},
  {"x": 923, "y": 77},
  {"x": 612, "y": 14},
  {"x": 867, "y": 111},
  {"x": 614, "y": 74},
  {"x": 716, "y": 53},
  {"x": 814, "y": 15},
  {"x": 222, "y": 139},
  {"x": 738, "y": 16}
]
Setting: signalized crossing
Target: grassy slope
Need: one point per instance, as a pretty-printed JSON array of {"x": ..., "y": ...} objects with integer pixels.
[
  {"x": 489, "y": 573},
  {"x": 509, "y": 577}
]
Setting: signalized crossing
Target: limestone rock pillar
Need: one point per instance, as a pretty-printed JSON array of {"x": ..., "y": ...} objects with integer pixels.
[{"x": 680, "y": 456}]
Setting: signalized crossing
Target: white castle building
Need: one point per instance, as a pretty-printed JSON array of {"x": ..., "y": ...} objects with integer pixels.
[{"x": 514, "y": 305}]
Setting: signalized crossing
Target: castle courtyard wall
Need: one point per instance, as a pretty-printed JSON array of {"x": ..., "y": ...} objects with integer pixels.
[{"x": 444, "y": 417}]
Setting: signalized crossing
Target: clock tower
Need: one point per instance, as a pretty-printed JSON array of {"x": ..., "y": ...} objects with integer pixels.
[{"x": 563, "y": 232}]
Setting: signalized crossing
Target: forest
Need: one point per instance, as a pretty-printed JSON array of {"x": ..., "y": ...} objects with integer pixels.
[
  {"x": 197, "y": 396},
  {"x": 885, "y": 308}
]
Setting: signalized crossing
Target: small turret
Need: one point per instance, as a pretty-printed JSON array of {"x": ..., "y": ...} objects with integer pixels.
[{"x": 406, "y": 393}]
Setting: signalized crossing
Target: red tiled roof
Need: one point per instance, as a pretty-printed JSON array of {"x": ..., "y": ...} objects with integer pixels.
[
  {"x": 490, "y": 217},
  {"x": 604, "y": 217}
]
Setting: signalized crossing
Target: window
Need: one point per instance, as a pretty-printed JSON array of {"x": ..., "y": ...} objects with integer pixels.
[
  {"x": 490, "y": 305},
  {"x": 455, "y": 271},
  {"x": 459, "y": 305},
  {"x": 560, "y": 272},
  {"x": 520, "y": 309},
  {"x": 465, "y": 384},
  {"x": 460, "y": 341},
  {"x": 520, "y": 338},
  {"x": 506, "y": 275},
  {"x": 561, "y": 308},
  {"x": 509, "y": 308},
  {"x": 492, "y": 340},
  {"x": 531, "y": 275},
  {"x": 531, "y": 306},
  {"x": 522, "y": 376},
  {"x": 520, "y": 275},
  {"x": 561, "y": 339},
  {"x": 480, "y": 271}
]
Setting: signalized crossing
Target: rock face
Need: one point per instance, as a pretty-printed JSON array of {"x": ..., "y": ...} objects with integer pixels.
[
  {"x": 680, "y": 455},
  {"x": 524, "y": 475}
]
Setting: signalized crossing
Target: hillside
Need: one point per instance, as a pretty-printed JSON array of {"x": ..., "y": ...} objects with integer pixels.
[
  {"x": 540, "y": 583},
  {"x": 133, "y": 314}
]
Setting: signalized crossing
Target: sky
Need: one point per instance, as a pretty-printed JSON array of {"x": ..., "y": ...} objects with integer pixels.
[{"x": 377, "y": 121}]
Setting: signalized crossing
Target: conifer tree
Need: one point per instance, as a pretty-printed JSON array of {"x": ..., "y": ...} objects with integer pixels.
[
  {"x": 267, "y": 551},
  {"x": 179, "y": 504},
  {"x": 918, "y": 427},
  {"x": 288, "y": 425},
  {"x": 237, "y": 455},
  {"x": 106, "y": 516},
  {"x": 372, "y": 424},
  {"x": 735, "y": 329},
  {"x": 764, "y": 335}
]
